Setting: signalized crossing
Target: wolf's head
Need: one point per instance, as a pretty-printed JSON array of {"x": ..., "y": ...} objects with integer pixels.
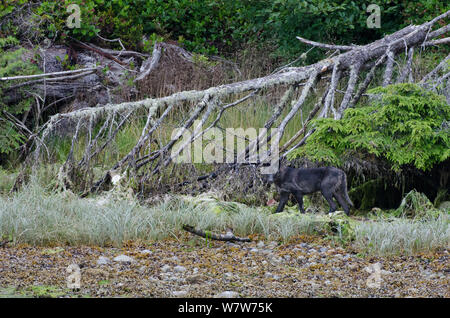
[{"x": 272, "y": 177}]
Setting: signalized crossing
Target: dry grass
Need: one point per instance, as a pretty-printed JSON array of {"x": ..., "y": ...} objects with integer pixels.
[{"x": 37, "y": 217}]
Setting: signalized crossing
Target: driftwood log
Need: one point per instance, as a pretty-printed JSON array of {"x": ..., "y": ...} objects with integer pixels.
[{"x": 228, "y": 237}]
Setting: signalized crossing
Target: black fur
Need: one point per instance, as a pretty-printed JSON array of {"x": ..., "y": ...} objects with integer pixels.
[{"x": 332, "y": 182}]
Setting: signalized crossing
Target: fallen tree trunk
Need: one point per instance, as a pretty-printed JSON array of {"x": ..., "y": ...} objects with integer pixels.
[{"x": 228, "y": 237}]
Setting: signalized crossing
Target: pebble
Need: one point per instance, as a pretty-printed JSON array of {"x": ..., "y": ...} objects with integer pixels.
[
  {"x": 270, "y": 275},
  {"x": 227, "y": 294},
  {"x": 276, "y": 260},
  {"x": 194, "y": 279},
  {"x": 260, "y": 244},
  {"x": 123, "y": 259},
  {"x": 314, "y": 284},
  {"x": 180, "y": 293},
  {"x": 301, "y": 259},
  {"x": 273, "y": 244},
  {"x": 103, "y": 260},
  {"x": 165, "y": 268},
  {"x": 179, "y": 269}
]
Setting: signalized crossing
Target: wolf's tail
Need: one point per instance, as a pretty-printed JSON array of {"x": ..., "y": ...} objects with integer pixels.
[{"x": 344, "y": 186}]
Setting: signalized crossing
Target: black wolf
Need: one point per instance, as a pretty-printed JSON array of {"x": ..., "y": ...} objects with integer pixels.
[{"x": 332, "y": 182}]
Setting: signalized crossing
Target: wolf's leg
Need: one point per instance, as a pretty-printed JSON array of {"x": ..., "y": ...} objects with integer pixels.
[
  {"x": 329, "y": 197},
  {"x": 283, "y": 200},
  {"x": 299, "y": 198},
  {"x": 342, "y": 202}
]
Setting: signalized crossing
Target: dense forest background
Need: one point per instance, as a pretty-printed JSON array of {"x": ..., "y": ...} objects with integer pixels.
[{"x": 220, "y": 27}]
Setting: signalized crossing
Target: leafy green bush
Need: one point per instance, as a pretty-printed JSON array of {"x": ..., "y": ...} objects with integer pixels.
[
  {"x": 339, "y": 21},
  {"x": 406, "y": 124},
  {"x": 11, "y": 63},
  {"x": 222, "y": 26}
]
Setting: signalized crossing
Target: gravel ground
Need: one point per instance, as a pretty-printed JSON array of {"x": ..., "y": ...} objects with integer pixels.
[{"x": 189, "y": 267}]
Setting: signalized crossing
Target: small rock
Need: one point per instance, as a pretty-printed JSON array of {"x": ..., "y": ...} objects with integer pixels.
[
  {"x": 165, "y": 268},
  {"x": 179, "y": 269},
  {"x": 276, "y": 260},
  {"x": 103, "y": 260},
  {"x": 304, "y": 245},
  {"x": 194, "y": 279},
  {"x": 301, "y": 259},
  {"x": 146, "y": 252},
  {"x": 180, "y": 293},
  {"x": 260, "y": 244},
  {"x": 323, "y": 250},
  {"x": 123, "y": 259},
  {"x": 273, "y": 244},
  {"x": 272, "y": 276},
  {"x": 254, "y": 250},
  {"x": 153, "y": 280},
  {"x": 227, "y": 294},
  {"x": 413, "y": 290},
  {"x": 313, "y": 284},
  {"x": 311, "y": 264}
]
